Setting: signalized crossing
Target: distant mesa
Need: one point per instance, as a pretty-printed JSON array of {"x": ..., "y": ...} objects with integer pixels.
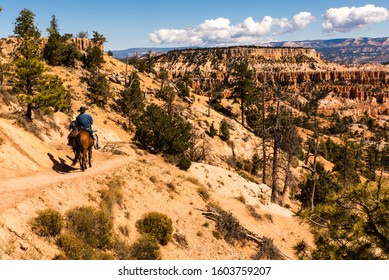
[{"x": 342, "y": 51}]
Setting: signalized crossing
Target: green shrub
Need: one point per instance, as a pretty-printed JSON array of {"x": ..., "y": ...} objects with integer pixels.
[
  {"x": 216, "y": 234},
  {"x": 224, "y": 130},
  {"x": 48, "y": 223},
  {"x": 146, "y": 248},
  {"x": 74, "y": 248},
  {"x": 157, "y": 225},
  {"x": 212, "y": 131},
  {"x": 91, "y": 225},
  {"x": 184, "y": 163}
]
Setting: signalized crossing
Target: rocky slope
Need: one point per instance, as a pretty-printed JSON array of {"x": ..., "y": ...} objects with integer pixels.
[{"x": 36, "y": 174}]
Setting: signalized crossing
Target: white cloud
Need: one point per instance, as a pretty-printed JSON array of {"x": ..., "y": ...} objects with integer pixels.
[
  {"x": 302, "y": 20},
  {"x": 345, "y": 19},
  {"x": 220, "y": 31}
]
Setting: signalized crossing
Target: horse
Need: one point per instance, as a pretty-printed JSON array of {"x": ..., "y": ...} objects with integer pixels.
[{"x": 82, "y": 145}]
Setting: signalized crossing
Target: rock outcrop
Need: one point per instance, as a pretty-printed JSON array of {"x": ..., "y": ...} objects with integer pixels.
[{"x": 85, "y": 43}]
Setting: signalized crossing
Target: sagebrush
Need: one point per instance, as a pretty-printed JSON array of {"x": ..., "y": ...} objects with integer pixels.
[{"x": 157, "y": 225}]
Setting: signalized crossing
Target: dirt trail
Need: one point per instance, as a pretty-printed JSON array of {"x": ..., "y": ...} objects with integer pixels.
[{"x": 15, "y": 190}]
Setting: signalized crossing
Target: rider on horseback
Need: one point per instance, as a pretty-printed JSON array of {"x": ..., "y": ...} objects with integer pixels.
[{"x": 84, "y": 121}]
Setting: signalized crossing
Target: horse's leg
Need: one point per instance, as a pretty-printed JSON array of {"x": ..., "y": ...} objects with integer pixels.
[
  {"x": 76, "y": 157},
  {"x": 81, "y": 159},
  {"x": 90, "y": 157},
  {"x": 81, "y": 162},
  {"x": 85, "y": 158}
]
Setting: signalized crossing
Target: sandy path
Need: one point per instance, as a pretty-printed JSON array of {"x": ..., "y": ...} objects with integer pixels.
[{"x": 15, "y": 190}]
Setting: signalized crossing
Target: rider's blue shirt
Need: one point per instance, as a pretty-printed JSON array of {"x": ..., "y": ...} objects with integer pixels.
[{"x": 84, "y": 121}]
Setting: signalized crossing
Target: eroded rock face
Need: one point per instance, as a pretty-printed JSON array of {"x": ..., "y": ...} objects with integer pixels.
[
  {"x": 296, "y": 69},
  {"x": 85, "y": 43}
]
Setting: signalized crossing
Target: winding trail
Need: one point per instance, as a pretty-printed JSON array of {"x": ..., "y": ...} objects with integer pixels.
[{"x": 15, "y": 190}]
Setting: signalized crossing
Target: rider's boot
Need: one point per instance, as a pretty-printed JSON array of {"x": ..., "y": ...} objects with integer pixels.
[{"x": 96, "y": 141}]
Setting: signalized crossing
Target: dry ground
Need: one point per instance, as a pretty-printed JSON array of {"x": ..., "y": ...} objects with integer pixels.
[{"x": 35, "y": 174}]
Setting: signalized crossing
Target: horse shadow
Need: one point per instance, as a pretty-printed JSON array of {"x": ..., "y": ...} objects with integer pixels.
[{"x": 60, "y": 166}]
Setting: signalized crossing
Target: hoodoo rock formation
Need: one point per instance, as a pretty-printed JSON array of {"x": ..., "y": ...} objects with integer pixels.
[{"x": 296, "y": 69}]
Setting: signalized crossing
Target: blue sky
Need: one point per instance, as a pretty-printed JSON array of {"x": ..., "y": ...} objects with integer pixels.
[{"x": 152, "y": 23}]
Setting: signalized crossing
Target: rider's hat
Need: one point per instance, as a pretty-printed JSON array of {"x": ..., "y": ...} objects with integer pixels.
[{"x": 82, "y": 109}]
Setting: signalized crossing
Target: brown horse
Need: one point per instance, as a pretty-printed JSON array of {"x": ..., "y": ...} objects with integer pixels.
[{"x": 82, "y": 144}]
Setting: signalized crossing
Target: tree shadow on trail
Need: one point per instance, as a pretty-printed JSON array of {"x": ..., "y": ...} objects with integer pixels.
[{"x": 60, "y": 166}]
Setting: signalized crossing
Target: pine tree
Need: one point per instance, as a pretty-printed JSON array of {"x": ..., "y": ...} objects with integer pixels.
[
  {"x": 353, "y": 224},
  {"x": 94, "y": 55},
  {"x": 313, "y": 144},
  {"x": 163, "y": 76},
  {"x": 58, "y": 51},
  {"x": 98, "y": 38},
  {"x": 93, "y": 58},
  {"x": 243, "y": 85},
  {"x": 98, "y": 88},
  {"x": 224, "y": 130},
  {"x": 52, "y": 94},
  {"x": 33, "y": 88},
  {"x": 52, "y": 50},
  {"x": 158, "y": 131},
  {"x": 131, "y": 102}
]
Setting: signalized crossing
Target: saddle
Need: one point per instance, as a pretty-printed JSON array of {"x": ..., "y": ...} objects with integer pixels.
[{"x": 75, "y": 129}]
